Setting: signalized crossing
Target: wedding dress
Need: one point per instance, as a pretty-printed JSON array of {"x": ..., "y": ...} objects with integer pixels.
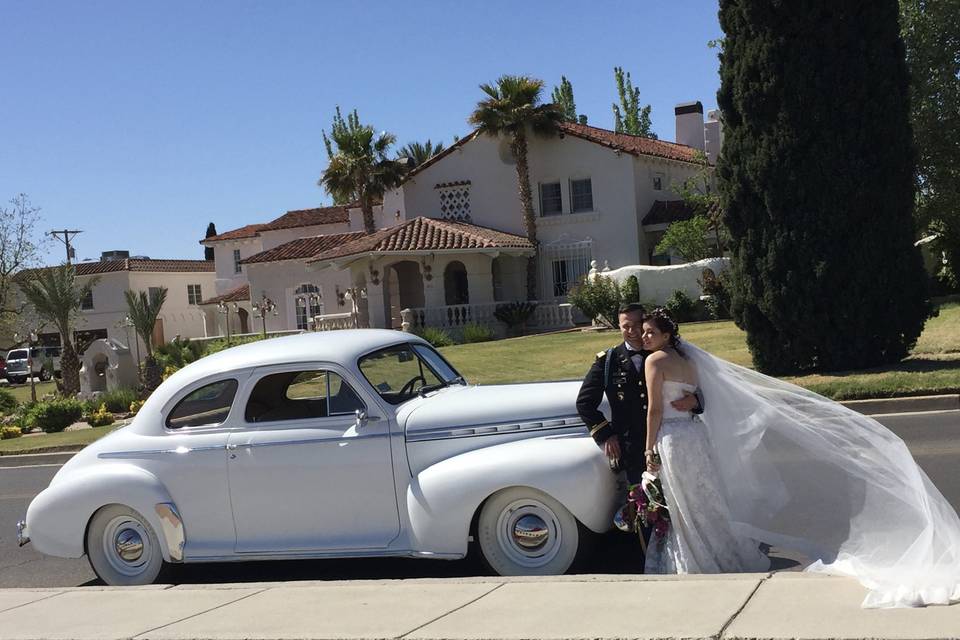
[
  {"x": 796, "y": 470},
  {"x": 700, "y": 538}
]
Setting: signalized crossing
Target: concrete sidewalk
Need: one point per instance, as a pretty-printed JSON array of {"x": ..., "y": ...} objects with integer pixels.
[{"x": 782, "y": 605}]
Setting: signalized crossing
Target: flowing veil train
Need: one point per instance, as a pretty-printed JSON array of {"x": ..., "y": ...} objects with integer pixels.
[{"x": 805, "y": 473}]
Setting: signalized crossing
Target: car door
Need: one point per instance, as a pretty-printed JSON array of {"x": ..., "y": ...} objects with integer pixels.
[{"x": 305, "y": 474}]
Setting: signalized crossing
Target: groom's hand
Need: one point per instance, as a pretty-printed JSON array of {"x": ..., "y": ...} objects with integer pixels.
[
  {"x": 611, "y": 447},
  {"x": 688, "y": 402}
]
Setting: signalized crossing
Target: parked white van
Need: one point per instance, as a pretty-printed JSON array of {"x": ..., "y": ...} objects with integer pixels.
[{"x": 43, "y": 362}]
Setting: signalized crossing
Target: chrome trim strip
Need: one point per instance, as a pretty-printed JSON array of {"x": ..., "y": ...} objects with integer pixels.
[
  {"x": 245, "y": 556},
  {"x": 284, "y": 443},
  {"x": 172, "y": 526},
  {"x": 125, "y": 455},
  {"x": 22, "y": 537},
  {"x": 447, "y": 433}
]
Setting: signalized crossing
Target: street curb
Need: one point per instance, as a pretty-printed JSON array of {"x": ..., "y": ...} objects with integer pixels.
[
  {"x": 872, "y": 407},
  {"x": 881, "y": 406}
]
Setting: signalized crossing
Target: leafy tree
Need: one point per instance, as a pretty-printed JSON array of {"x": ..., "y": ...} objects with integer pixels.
[
  {"x": 687, "y": 238},
  {"x": 600, "y": 297},
  {"x": 512, "y": 108},
  {"x": 931, "y": 32},
  {"x": 563, "y": 97},
  {"x": 701, "y": 197},
  {"x": 420, "y": 152},
  {"x": 359, "y": 170},
  {"x": 208, "y": 251},
  {"x": 56, "y": 298},
  {"x": 144, "y": 309},
  {"x": 816, "y": 184},
  {"x": 629, "y": 116},
  {"x": 19, "y": 250}
]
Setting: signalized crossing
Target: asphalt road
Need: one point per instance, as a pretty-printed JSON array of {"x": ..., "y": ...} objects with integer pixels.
[{"x": 933, "y": 438}]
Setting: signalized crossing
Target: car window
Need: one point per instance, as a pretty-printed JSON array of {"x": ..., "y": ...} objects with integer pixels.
[
  {"x": 437, "y": 363},
  {"x": 17, "y": 354},
  {"x": 204, "y": 407},
  {"x": 301, "y": 395},
  {"x": 397, "y": 373}
]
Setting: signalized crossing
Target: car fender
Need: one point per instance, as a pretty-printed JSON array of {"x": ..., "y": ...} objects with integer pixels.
[
  {"x": 442, "y": 499},
  {"x": 57, "y": 518}
]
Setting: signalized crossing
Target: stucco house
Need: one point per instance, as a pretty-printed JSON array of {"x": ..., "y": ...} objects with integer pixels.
[
  {"x": 104, "y": 310},
  {"x": 450, "y": 243}
]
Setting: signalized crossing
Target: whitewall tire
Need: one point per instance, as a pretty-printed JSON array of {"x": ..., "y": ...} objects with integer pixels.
[
  {"x": 122, "y": 547},
  {"x": 522, "y": 531}
]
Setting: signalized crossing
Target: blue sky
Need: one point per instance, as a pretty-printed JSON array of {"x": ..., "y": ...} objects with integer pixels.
[{"x": 141, "y": 122}]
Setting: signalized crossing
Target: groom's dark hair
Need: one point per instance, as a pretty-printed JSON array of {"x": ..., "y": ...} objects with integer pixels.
[{"x": 633, "y": 307}]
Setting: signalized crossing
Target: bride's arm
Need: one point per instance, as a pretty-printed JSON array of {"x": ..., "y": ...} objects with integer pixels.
[{"x": 653, "y": 372}]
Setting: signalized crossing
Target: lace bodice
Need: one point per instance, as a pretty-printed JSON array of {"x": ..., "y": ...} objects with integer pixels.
[{"x": 673, "y": 390}]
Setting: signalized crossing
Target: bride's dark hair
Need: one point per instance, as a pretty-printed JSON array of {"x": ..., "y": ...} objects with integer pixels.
[{"x": 664, "y": 322}]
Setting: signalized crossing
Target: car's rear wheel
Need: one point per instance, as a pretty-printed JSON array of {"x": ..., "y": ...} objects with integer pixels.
[
  {"x": 523, "y": 531},
  {"x": 44, "y": 375},
  {"x": 122, "y": 547}
]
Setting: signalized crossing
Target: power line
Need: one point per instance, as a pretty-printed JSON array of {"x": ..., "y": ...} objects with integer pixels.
[{"x": 67, "y": 234}]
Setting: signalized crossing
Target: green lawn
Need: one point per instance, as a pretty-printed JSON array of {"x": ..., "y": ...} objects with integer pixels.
[
  {"x": 22, "y": 391},
  {"x": 52, "y": 441},
  {"x": 933, "y": 366}
]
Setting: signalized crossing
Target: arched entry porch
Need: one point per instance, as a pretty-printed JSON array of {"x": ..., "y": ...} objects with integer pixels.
[{"x": 403, "y": 289}]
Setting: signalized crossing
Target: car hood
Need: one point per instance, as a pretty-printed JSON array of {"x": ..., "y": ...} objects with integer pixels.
[{"x": 490, "y": 405}]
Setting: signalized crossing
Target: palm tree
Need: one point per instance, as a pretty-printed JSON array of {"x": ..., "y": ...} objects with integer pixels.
[
  {"x": 144, "y": 310},
  {"x": 511, "y": 108},
  {"x": 359, "y": 170},
  {"x": 420, "y": 152},
  {"x": 56, "y": 298}
]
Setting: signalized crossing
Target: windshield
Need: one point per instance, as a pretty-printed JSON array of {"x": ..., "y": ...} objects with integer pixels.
[
  {"x": 398, "y": 373},
  {"x": 17, "y": 354}
]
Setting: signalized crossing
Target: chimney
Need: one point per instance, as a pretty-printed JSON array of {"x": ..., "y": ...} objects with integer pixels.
[
  {"x": 690, "y": 124},
  {"x": 713, "y": 135}
]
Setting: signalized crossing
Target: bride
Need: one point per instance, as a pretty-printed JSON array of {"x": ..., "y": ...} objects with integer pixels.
[{"x": 770, "y": 462}]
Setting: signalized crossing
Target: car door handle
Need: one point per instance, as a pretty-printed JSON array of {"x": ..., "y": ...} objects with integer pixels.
[{"x": 231, "y": 447}]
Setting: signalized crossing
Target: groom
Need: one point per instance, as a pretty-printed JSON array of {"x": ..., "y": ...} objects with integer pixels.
[{"x": 618, "y": 373}]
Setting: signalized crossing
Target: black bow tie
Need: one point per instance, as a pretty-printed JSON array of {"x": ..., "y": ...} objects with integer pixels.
[{"x": 631, "y": 353}]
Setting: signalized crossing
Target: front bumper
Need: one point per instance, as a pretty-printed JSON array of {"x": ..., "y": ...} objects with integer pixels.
[{"x": 22, "y": 536}]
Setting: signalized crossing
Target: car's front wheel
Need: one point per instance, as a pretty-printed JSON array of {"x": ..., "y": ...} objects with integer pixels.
[
  {"x": 122, "y": 547},
  {"x": 45, "y": 375},
  {"x": 523, "y": 531}
]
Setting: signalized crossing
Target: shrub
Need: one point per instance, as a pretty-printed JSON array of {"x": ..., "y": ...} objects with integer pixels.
[
  {"x": 718, "y": 290},
  {"x": 8, "y": 402},
  {"x": 598, "y": 298},
  {"x": 681, "y": 307},
  {"x": 474, "y": 332},
  {"x": 630, "y": 291},
  {"x": 9, "y": 432},
  {"x": 118, "y": 400},
  {"x": 436, "y": 337},
  {"x": 178, "y": 353},
  {"x": 55, "y": 415},
  {"x": 135, "y": 406},
  {"x": 515, "y": 314},
  {"x": 219, "y": 345},
  {"x": 100, "y": 418}
]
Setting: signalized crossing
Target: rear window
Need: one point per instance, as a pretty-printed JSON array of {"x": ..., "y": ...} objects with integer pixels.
[
  {"x": 17, "y": 354},
  {"x": 207, "y": 406}
]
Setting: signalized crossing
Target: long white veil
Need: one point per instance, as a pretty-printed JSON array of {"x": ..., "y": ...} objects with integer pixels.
[{"x": 805, "y": 473}]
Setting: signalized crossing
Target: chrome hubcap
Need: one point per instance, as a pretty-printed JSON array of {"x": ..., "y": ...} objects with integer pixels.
[
  {"x": 129, "y": 545},
  {"x": 530, "y": 532}
]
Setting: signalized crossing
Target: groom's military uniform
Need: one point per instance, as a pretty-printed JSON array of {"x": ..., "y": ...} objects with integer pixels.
[{"x": 618, "y": 373}]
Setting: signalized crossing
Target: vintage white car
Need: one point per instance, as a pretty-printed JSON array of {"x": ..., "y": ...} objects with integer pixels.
[{"x": 335, "y": 444}]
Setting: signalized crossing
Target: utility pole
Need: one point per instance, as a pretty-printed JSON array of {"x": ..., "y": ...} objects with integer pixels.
[{"x": 67, "y": 234}]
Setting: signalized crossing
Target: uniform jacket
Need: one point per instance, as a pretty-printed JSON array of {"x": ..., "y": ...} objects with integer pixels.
[{"x": 627, "y": 394}]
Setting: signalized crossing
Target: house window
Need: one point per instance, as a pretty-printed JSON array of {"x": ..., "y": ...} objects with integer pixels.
[
  {"x": 307, "y": 300},
  {"x": 236, "y": 261},
  {"x": 87, "y": 302},
  {"x": 455, "y": 200},
  {"x": 658, "y": 182},
  {"x": 193, "y": 294},
  {"x": 562, "y": 265},
  {"x": 581, "y": 195},
  {"x": 550, "y": 203},
  {"x": 561, "y": 282}
]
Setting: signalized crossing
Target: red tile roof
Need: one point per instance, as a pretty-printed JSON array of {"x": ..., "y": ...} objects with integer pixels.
[
  {"x": 303, "y": 247},
  {"x": 234, "y": 295},
  {"x": 635, "y": 145},
  {"x": 249, "y": 231},
  {"x": 428, "y": 234},
  {"x": 132, "y": 264},
  {"x": 667, "y": 211},
  {"x": 310, "y": 217}
]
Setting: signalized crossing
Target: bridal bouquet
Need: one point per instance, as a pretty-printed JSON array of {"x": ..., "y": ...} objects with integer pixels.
[{"x": 646, "y": 509}]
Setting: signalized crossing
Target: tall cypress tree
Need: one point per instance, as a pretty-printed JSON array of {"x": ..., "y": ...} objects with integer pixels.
[
  {"x": 208, "y": 251},
  {"x": 816, "y": 182}
]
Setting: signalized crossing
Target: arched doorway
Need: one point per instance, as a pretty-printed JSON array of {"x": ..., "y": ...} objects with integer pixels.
[
  {"x": 244, "y": 320},
  {"x": 403, "y": 289},
  {"x": 455, "y": 289}
]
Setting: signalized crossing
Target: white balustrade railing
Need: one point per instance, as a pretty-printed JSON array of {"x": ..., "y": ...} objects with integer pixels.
[
  {"x": 334, "y": 321},
  {"x": 548, "y": 315}
]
